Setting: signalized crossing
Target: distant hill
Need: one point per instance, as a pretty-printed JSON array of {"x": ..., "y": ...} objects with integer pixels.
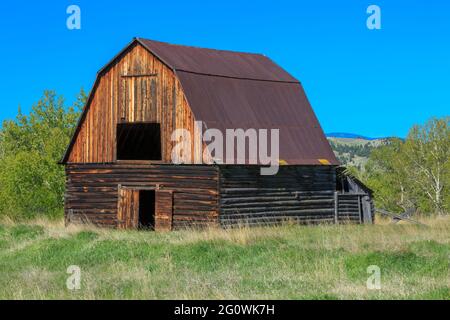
[
  {"x": 353, "y": 149},
  {"x": 349, "y": 136}
]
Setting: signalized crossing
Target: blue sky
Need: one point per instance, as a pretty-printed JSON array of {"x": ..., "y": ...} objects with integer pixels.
[{"x": 370, "y": 82}]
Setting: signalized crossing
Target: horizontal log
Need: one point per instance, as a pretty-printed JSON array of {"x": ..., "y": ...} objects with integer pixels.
[
  {"x": 275, "y": 213},
  {"x": 268, "y": 222}
]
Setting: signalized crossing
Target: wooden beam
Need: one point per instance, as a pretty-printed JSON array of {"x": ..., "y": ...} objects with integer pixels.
[
  {"x": 139, "y": 75},
  {"x": 336, "y": 207}
]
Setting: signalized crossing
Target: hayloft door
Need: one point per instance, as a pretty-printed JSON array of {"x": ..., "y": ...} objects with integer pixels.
[
  {"x": 164, "y": 210},
  {"x": 128, "y": 208}
]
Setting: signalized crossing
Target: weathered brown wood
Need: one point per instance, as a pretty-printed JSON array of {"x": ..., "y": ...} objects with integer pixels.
[
  {"x": 348, "y": 207},
  {"x": 164, "y": 210},
  {"x": 138, "y": 87},
  {"x": 128, "y": 208},
  {"x": 298, "y": 193},
  {"x": 139, "y": 75},
  {"x": 194, "y": 191}
]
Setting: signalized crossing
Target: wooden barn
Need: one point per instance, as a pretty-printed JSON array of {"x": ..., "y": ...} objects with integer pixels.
[{"x": 119, "y": 166}]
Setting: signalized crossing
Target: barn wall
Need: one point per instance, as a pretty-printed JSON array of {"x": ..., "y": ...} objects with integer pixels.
[
  {"x": 92, "y": 191},
  {"x": 137, "y": 87},
  {"x": 300, "y": 193}
]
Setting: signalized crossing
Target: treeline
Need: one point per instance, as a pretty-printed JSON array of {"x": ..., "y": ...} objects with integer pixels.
[
  {"x": 31, "y": 180},
  {"x": 413, "y": 173},
  {"x": 361, "y": 150}
]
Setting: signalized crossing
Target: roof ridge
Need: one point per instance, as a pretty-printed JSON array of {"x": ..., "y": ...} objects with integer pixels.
[{"x": 201, "y": 48}]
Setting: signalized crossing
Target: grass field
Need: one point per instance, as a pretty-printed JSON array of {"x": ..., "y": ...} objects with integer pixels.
[{"x": 288, "y": 262}]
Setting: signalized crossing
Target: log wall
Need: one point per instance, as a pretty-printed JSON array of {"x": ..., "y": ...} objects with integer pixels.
[
  {"x": 92, "y": 191},
  {"x": 304, "y": 194},
  {"x": 354, "y": 208}
]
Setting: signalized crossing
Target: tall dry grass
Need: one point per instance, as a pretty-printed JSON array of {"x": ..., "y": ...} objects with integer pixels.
[{"x": 287, "y": 262}]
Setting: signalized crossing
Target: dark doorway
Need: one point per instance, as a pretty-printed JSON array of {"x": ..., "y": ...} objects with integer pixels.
[
  {"x": 147, "y": 209},
  {"x": 138, "y": 141}
]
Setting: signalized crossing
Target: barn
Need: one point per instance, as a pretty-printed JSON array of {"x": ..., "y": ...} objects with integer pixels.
[{"x": 120, "y": 169}]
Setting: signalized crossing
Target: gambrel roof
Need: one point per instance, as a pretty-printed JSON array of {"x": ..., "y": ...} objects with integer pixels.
[{"x": 230, "y": 90}]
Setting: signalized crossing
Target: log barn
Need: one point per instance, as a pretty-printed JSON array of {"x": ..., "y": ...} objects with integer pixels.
[{"x": 119, "y": 169}]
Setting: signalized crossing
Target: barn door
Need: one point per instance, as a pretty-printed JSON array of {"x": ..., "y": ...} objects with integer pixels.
[
  {"x": 128, "y": 208},
  {"x": 164, "y": 210}
]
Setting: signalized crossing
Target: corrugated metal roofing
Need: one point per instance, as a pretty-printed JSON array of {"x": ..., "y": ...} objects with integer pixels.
[
  {"x": 226, "y": 103},
  {"x": 217, "y": 62},
  {"x": 231, "y": 90}
]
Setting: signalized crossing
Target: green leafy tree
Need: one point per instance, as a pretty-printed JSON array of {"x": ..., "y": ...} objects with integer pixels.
[
  {"x": 386, "y": 174},
  {"x": 413, "y": 173},
  {"x": 31, "y": 180},
  {"x": 427, "y": 152}
]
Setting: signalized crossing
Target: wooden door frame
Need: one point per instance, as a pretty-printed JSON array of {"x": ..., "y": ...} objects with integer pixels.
[{"x": 156, "y": 188}]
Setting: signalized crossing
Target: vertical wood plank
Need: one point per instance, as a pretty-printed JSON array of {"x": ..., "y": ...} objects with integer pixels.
[
  {"x": 163, "y": 210},
  {"x": 157, "y": 99},
  {"x": 336, "y": 207}
]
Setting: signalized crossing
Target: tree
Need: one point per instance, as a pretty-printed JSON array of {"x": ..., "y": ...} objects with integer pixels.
[
  {"x": 386, "y": 174},
  {"x": 427, "y": 151},
  {"x": 31, "y": 181},
  {"x": 415, "y": 172}
]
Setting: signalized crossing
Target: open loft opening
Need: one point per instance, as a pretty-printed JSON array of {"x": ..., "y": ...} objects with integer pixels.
[{"x": 139, "y": 141}]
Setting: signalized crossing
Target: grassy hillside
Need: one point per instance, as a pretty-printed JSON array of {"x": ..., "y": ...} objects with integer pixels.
[
  {"x": 289, "y": 262},
  {"x": 354, "y": 152}
]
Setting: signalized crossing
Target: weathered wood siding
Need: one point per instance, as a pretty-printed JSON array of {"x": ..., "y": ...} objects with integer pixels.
[
  {"x": 164, "y": 207},
  {"x": 92, "y": 191},
  {"x": 304, "y": 194},
  {"x": 137, "y": 87},
  {"x": 349, "y": 208},
  {"x": 128, "y": 209},
  {"x": 355, "y": 207}
]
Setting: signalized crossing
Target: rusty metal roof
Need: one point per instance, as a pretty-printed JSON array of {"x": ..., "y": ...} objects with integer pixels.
[
  {"x": 227, "y": 103},
  {"x": 230, "y": 90},
  {"x": 217, "y": 62}
]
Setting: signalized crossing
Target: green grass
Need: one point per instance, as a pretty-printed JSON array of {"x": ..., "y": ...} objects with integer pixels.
[{"x": 288, "y": 262}]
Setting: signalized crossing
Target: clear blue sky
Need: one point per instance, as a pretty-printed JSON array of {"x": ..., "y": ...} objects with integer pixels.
[{"x": 371, "y": 82}]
